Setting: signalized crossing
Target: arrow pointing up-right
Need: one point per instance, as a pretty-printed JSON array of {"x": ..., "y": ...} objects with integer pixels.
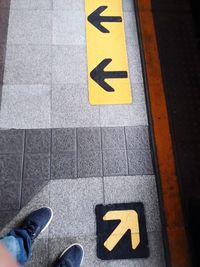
[
  {"x": 129, "y": 221},
  {"x": 96, "y": 19}
]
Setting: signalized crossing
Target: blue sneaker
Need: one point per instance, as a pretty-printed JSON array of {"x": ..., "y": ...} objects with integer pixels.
[
  {"x": 71, "y": 256},
  {"x": 37, "y": 221}
]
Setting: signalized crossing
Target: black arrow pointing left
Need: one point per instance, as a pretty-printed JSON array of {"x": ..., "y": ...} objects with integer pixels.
[
  {"x": 96, "y": 19},
  {"x": 99, "y": 75}
]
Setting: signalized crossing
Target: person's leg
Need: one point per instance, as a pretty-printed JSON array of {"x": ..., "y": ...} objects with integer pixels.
[
  {"x": 71, "y": 257},
  {"x": 19, "y": 241}
]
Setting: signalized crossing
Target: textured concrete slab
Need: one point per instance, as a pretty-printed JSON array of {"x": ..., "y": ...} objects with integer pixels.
[
  {"x": 88, "y": 139},
  {"x": 68, "y": 5},
  {"x": 11, "y": 167},
  {"x": 135, "y": 189},
  {"x": 29, "y": 27},
  {"x": 90, "y": 163},
  {"x": 137, "y": 138},
  {"x": 11, "y": 141},
  {"x": 6, "y": 216},
  {"x": 113, "y": 138},
  {"x": 31, "y": 4},
  {"x": 63, "y": 165},
  {"x": 127, "y": 5},
  {"x": 15, "y": 113},
  {"x": 63, "y": 140},
  {"x": 10, "y": 194},
  {"x": 4, "y": 25},
  {"x": 140, "y": 162},
  {"x": 115, "y": 162},
  {"x": 69, "y": 64},
  {"x": 71, "y": 108},
  {"x": 75, "y": 215},
  {"x": 38, "y": 141},
  {"x": 138, "y": 93},
  {"x": 68, "y": 28},
  {"x": 27, "y": 64}
]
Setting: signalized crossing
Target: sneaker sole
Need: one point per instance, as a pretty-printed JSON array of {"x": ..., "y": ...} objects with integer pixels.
[
  {"x": 75, "y": 244},
  {"x": 49, "y": 219}
]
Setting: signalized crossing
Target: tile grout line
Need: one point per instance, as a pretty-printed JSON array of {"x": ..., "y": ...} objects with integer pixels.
[
  {"x": 51, "y": 84},
  {"x": 103, "y": 182},
  {"x": 126, "y": 144},
  {"x": 23, "y": 167},
  {"x": 76, "y": 152}
]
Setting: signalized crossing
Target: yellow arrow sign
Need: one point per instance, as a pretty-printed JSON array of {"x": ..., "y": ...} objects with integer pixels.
[{"x": 129, "y": 221}]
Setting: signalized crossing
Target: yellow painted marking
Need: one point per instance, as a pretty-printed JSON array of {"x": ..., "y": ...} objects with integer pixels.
[
  {"x": 112, "y": 45},
  {"x": 129, "y": 221}
]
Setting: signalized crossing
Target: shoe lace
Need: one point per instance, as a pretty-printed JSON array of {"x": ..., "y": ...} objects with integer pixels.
[{"x": 31, "y": 229}]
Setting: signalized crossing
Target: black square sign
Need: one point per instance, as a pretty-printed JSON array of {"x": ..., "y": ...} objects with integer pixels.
[{"x": 121, "y": 231}]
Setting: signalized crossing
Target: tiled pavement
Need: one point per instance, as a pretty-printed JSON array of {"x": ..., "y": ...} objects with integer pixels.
[{"x": 71, "y": 155}]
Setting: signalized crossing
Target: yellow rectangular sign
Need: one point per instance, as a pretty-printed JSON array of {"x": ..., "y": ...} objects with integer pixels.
[{"x": 108, "y": 75}]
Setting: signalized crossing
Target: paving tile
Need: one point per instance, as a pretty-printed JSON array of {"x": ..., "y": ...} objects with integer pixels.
[
  {"x": 69, "y": 29},
  {"x": 63, "y": 165},
  {"x": 89, "y": 163},
  {"x": 6, "y": 217},
  {"x": 135, "y": 189},
  {"x": 38, "y": 141},
  {"x": 37, "y": 166},
  {"x": 123, "y": 115},
  {"x": 89, "y": 139},
  {"x": 1, "y": 78},
  {"x": 113, "y": 138},
  {"x": 30, "y": 188},
  {"x": 29, "y": 27},
  {"x": 11, "y": 141},
  {"x": 4, "y": 4},
  {"x": 31, "y": 4},
  {"x": 27, "y": 64},
  {"x": 40, "y": 253},
  {"x": 129, "y": 21},
  {"x": 15, "y": 113},
  {"x": 140, "y": 162},
  {"x": 4, "y": 17},
  {"x": 2, "y": 53},
  {"x": 71, "y": 108},
  {"x": 75, "y": 215},
  {"x": 68, "y": 5},
  {"x": 10, "y": 195},
  {"x": 115, "y": 162},
  {"x": 39, "y": 200},
  {"x": 11, "y": 167},
  {"x": 138, "y": 93},
  {"x": 63, "y": 140},
  {"x": 137, "y": 138},
  {"x": 73, "y": 56},
  {"x": 135, "y": 70}
]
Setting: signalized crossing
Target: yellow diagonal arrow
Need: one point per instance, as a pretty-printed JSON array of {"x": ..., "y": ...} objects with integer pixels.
[{"x": 129, "y": 221}]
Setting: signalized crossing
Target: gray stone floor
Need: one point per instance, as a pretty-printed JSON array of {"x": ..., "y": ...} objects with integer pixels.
[{"x": 58, "y": 150}]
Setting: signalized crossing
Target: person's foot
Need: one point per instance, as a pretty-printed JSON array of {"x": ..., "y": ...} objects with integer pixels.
[
  {"x": 71, "y": 256},
  {"x": 37, "y": 221}
]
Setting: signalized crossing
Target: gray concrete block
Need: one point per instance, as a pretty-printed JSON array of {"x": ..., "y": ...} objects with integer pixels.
[
  {"x": 63, "y": 165},
  {"x": 140, "y": 162},
  {"x": 135, "y": 189},
  {"x": 71, "y": 108},
  {"x": 69, "y": 64},
  {"x": 4, "y": 4},
  {"x": 68, "y": 5},
  {"x": 15, "y": 113},
  {"x": 127, "y": 5},
  {"x": 31, "y": 4},
  {"x": 4, "y": 18},
  {"x": 6, "y": 216},
  {"x": 89, "y": 139},
  {"x": 137, "y": 138},
  {"x": 11, "y": 167},
  {"x": 29, "y": 27},
  {"x": 63, "y": 140},
  {"x": 138, "y": 93},
  {"x": 129, "y": 21},
  {"x": 69, "y": 29},
  {"x": 37, "y": 166},
  {"x": 30, "y": 188},
  {"x": 75, "y": 215},
  {"x": 11, "y": 141},
  {"x": 2, "y": 53},
  {"x": 10, "y": 193},
  {"x": 115, "y": 162},
  {"x": 113, "y": 138},
  {"x": 89, "y": 163},
  {"x": 27, "y": 64},
  {"x": 38, "y": 141}
]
